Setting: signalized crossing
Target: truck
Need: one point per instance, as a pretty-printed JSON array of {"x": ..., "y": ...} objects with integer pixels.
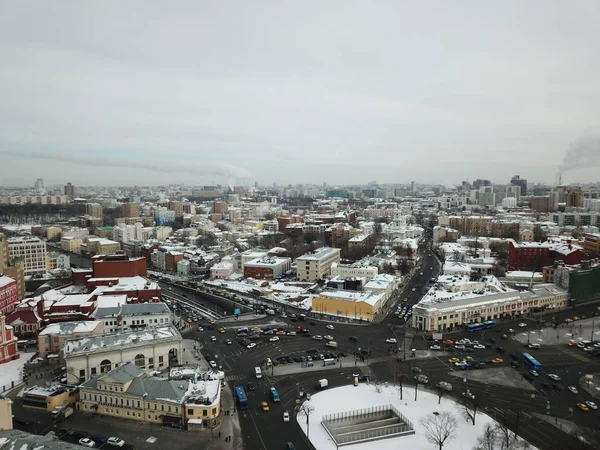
[
  {"x": 322, "y": 384},
  {"x": 63, "y": 411}
]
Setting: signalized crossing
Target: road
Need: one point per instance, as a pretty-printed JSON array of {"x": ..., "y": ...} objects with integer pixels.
[{"x": 514, "y": 405}]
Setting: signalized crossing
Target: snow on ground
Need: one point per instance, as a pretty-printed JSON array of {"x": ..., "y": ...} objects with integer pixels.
[
  {"x": 13, "y": 370},
  {"x": 348, "y": 398}
]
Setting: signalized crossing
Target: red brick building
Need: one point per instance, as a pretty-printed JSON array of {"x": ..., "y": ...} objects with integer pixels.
[
  {"x": 536, "y": 255},
  {"x": 9, "y": 294},
  {"x": 119, "y": 266},
  {"x": 8, "y": 342}
]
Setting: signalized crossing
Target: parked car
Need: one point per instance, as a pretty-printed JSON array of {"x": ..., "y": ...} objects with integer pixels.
[
  {"x": 115, "y": 442},
  {"x": 286, "y": 416},
  {"x": 330, "y": 327},
  {"x": 87, "y": 442},
  {"x": 391, "y": 341}
]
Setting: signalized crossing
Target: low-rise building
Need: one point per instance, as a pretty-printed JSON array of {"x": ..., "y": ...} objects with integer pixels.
[
  {"x": 8, "y": 342},
  {"x": 357, "y": 269},
  {"x": 71, "y": 244},
  {"x": 57, "y": 260},
  {"x": 154, "y": 348},
  {"x": 591, "y": 244},
  {"x": 221, "y": 270},
  {"x": 354, "y": 305},
  {"x": 268, "y": 267},
  {"x": 186, "y": 397},
  {"x": 9, "y": 294},
  {"x": 100, "y": 246},
  {"x": 134, "y": 316},
  {"x": 51, "y": 340},
  {"x": 443, "y": 310}
]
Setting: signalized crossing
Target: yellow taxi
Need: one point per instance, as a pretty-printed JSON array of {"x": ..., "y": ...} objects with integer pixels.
[
  {"x": 583, "y": 407},
  {"x": 189, "y": 321},
  {"x": 212, "y": 322},
  {"x": 572, "y": 344},
  {"x": 576, "y": 318},
  {"x": 221, "y": 330},
  {"x": 400, "y": 316},
  {"x": 448, "y": 342},
  {"x": 405, "y": 299},
  {"x": 453, "y": 360},
  {"x": 255, "y": 329},
  {"x": 497, "y": 361},
  {"x": 265, "y": 406},
  {"x": 280, "y": 333}
]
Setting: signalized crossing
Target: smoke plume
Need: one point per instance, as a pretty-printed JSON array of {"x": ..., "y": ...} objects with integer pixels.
[
  {"x": 185, "y": 166},
  {"x": 583, "y": 152}
]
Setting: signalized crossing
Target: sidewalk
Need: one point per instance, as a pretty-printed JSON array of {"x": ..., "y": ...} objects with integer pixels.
[{"x": 191, "y": 355}]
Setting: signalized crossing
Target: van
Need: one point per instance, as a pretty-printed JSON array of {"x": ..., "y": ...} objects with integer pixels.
[
  {"x": 269, "y": 362},
  {"x": 258, "y": 372},
  {"x": 329, "y": 362},
  {"x": 332, "y": 344}
]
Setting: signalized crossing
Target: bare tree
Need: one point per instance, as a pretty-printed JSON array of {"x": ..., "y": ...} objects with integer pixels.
[
  {"x": 440, "y": 393},
  {"x": 469, "y": 407},
  {"x": 488, "y": 440},
  {"x": 305, "y": 409},
  {"x": 439, "y": 427}
]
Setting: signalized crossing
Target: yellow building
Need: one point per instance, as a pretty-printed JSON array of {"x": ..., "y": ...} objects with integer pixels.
[
  {"x": 359, "y": 305},
  {"x": 131, "y": 393},
  {"x": 6, "y": 415},
  {"x": 526, "y": 235},
  {"x": 49, "y": 398},
  {"x": 53, "y": 233},
  {"x": 71, "y": 244}
]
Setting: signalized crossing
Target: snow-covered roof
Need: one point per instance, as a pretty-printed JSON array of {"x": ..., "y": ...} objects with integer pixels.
[
  {"x": 5, "y": 281},
  {"x": 369, "y": 297},
  {"x": 63, "y": 328}
]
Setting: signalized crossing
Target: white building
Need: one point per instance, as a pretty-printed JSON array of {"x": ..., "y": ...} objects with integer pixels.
[
  {"x": 384, "y": 284},
  {"x": 33, "y": 252},
  {"x": 162, "y": 215},
  {"x": 133, "y": 316},
  {"x": 317, "y": 265},
  {"x": 357, "y": 270},
  {"x": 509, "y": 202},
  {"x": 128, "y": 233},
  {"x": 154, "y": 348},
  {"x": 446, "y": 309},
  {"x": 221, "y": 270}
]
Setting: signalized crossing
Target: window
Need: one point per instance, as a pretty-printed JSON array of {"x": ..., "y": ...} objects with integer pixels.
[
  {"x": 205, "y": 412},
  {"x": 162, "y": 407},
  {"x": 177, "y": 409},
  {"x": 82, "y": 375},
  {"x": 169, "y": 408},
  {"x": 138, "y": 403},
  {"x": 160, "y": 359},
  {"x": 190, "y": 412}
]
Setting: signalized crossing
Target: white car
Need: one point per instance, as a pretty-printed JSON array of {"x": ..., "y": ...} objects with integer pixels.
[
  {"x": 479, "y": 347},
  {"x": 414, "y": 289},
  {"x": 554, "y": 377},
  {"x": 435, "y": 347},
  {"x": 391, "y": 341},
  {"x": 316, "y": 337},
  {"x": 330, "y": 327},
  {"x": 115, "y": 442},
  {"x": 213, "y": 338},
  {"x": 251, "y": 345},
  {"x": 213, "y": 364},
  {"x": 573, "y": 390},
  {"x": 87, "y": 442},
  {"x": 328, "y": 337},
  {"x": 522, "y": 325},
  {"x": 200, "y": 329},
  {"x": 291, "y": 333},
  {"x": 286, "y": 416},
  {"x": 591, "y": 405},
  {"x": 274, "y": 339}
]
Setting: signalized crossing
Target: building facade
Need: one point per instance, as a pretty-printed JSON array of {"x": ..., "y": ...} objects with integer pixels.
[
  {"x": 32, "y": 250},
  {"x": 317, "y": 265},
  {"x": 133, "y": 316},
  {"x": 8, "y": 342},
  {"x": 9, "y": 294},
  {"x": 52, "y": 339},
  {"x": 267, "y": 267},
  {"x": 354, "y": 305},
  {"x": 155, "y": 348}
]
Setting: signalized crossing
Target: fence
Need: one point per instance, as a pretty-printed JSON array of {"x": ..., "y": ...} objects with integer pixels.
[{"x": 366, "y": 424}]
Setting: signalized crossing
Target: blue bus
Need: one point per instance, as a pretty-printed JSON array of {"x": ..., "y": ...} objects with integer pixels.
[
  {"x": 478, "y": 326},
  {"x": 531, "y": 362},
  {"x": 240, "y": 395},
  {"x": 275, "y": 395}
]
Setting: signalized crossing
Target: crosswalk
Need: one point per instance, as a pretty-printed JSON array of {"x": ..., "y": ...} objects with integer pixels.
[
  {"x": 580, "y": 356},
  {"x": 234, "y": 377}
]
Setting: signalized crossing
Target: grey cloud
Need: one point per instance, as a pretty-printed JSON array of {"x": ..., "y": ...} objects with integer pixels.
[{"x": 583, "y": 152}]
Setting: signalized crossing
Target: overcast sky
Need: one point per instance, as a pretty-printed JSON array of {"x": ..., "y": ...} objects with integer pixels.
[{"x": 294, "y": 91}]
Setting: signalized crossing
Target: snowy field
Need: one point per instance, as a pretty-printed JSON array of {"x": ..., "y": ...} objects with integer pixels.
[
  {"x": 12, "y": 370},
  {"x": 348, "y": 398}
]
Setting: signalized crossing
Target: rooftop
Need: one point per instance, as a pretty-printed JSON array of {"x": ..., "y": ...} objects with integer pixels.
[
  {"x": 319, "y": 253},
  {"x": 368, "y": 297},
  {"x": 133, "y": 309},
  {"x": 63, "y": 328},
  {"x": 109, "y": 342}
]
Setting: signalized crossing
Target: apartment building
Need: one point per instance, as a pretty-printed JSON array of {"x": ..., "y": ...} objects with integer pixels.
[
  {"x": 52, "y": 339},
  {"x": 356, "y": 270},
  {"x": 317, "y": 265},
  {"x": 131, "y": 209},
  {"x": 591, "y": 244},
  {"x": 94, "y": 209},
  {"x": 9, "y": 294},
  {"x": 71, "y": 244},
  {"x": 100, "y": 246},
  {"x": 33, "y": 252}
]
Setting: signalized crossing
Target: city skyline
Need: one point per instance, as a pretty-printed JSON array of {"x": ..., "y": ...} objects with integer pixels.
[{"x": 125, "y": 94}]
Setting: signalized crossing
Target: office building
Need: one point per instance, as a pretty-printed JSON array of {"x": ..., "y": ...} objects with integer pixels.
[
  {"x": 575, "y": 197},
  {"x": 70, "y": 192},
  {"x": 131, "y": 209},
  {"x": 522, "y": 183},
  {"x": 317, "y": 265},
  {"x": 32, "y": 250}
]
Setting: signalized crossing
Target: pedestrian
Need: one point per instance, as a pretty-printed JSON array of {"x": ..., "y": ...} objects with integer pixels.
[{"x": 219, "y": 434}]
